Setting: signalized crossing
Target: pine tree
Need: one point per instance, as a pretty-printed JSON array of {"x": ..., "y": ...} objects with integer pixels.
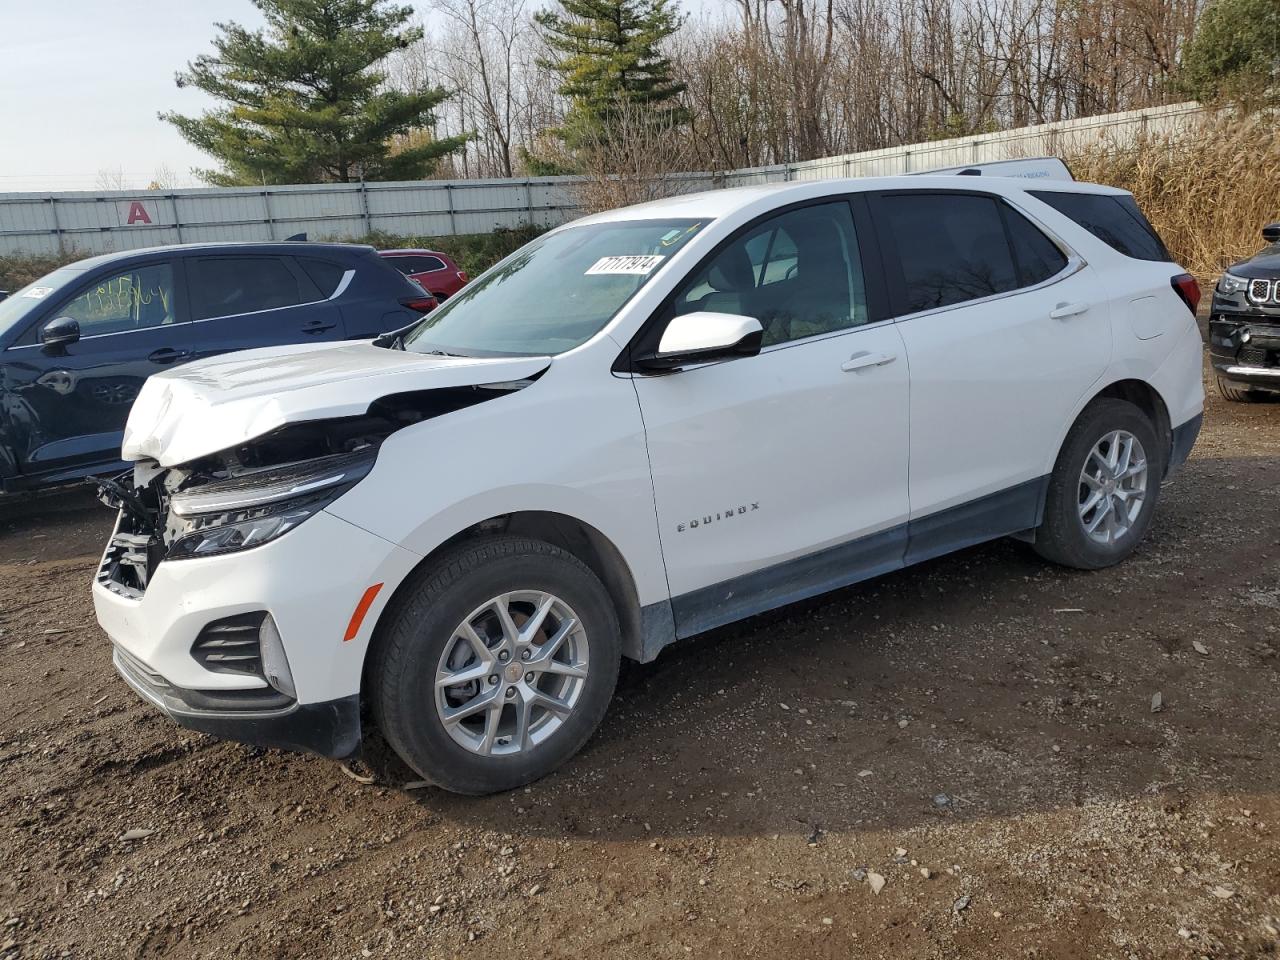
[
  {"x": 1235, "y": 53},
  {"x": 305, "y": 100},
  {"x": 610, "y": 57}
]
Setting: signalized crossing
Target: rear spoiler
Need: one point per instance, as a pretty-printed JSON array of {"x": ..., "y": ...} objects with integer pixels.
[{"x": 1032, "y": 168}]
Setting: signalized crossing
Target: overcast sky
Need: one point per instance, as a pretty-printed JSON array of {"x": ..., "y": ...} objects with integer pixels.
[{"x": 81, "y": 82}]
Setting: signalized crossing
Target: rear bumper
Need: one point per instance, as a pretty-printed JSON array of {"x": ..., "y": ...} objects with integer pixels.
[
  {"x": 330, "y": 729},
  {"x": 1184, "y": 438}
]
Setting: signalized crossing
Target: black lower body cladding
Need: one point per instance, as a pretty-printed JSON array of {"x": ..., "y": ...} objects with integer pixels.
[{"x": 263, "y": 718}]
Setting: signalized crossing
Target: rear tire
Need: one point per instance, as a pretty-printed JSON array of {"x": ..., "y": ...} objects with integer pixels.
[
  {"x": 1097, "y": 512},
  {"x": 1237, "y": 394},
  {"x": 477, "y": 701}
]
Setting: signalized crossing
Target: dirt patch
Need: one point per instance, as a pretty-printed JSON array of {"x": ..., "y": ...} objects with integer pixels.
[{"x": 977, "y": 732}]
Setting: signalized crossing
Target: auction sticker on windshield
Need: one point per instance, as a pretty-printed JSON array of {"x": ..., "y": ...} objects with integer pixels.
[
  {"x": 640, "y": 264},
  {"x": 39, "y": 293}
]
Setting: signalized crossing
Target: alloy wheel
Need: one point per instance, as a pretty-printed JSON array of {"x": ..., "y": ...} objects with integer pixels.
[
  {"x": 512, "y": 673},
  {"x": 1113, "y": 487}
]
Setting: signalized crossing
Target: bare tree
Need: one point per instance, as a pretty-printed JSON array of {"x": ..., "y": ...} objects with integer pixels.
[
  {"x": 630, "y": 159},
  {"x": 164, "y": 178},
  {"x": 113, "y": 178},
  {"x": 773, "y": 81}
]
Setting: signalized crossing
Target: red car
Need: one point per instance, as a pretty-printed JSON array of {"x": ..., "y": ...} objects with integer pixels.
[{"x": 435, "y": 271}]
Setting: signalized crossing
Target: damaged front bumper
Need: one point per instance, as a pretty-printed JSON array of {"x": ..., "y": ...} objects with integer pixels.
[
  {"x": 186, "y": 640},
  {"x": 1244, "y": 342},
  {"x": 330, "y": 728}
]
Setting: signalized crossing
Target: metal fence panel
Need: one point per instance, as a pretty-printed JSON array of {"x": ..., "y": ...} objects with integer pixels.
[{"x": 88, "y": 222}]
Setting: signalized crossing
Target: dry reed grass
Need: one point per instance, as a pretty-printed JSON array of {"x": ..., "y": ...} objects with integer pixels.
[{"x": 1207, "y": 190}]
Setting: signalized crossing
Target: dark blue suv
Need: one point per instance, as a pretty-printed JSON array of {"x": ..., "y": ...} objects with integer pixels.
[{"x": 76, "y": 345}]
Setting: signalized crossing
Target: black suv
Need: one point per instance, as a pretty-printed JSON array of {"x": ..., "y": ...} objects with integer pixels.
[
  {"x": 76, "y": 345},
  {"x": 1244, "y": 324}
]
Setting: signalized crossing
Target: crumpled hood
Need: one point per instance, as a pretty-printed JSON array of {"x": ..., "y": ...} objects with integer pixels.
[{"x": 214, "y": 404}]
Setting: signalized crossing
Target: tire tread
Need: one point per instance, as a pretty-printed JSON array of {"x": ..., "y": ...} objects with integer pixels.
[
  {"x": 1058, "y": 538},
  {"x": 411, "y": 606}
]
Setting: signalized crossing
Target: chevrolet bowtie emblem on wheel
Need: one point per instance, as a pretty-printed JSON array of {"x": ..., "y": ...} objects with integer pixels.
[{"x": 719, "y": 515}]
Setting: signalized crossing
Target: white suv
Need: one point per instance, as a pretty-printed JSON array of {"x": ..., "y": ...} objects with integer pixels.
[{"x": 640, "y": 426}]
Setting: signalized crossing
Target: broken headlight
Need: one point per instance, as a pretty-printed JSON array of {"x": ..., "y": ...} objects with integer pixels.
[{"x": 256, "y": 508}]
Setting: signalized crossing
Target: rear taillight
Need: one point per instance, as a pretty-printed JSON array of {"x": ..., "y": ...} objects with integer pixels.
[
  {"x": 462, "y": 275},
  {"x": 421, "y": 304},
  {"x": 1185, "y": 286}
]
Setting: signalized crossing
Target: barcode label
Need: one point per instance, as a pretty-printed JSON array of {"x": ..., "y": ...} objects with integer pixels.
[{"x": 640, "y": 264}]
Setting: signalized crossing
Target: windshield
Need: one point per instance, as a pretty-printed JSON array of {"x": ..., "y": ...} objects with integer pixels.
[
  {"x": 554, "y": 293},
  {"x": 15, "y": 308}
]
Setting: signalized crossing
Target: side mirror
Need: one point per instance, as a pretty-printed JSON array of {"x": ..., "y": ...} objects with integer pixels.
[
  {"x": 60, "y": 332},
  {"x": 1271, "y": 233},
  {"x": 703, "y": 337}
]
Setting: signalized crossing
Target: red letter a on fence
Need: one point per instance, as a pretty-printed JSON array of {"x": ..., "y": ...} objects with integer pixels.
[{"x": 137, "y": 213}]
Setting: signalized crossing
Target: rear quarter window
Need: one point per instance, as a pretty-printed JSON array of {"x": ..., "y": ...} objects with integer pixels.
[
  {"x": 1115, "y": 220},
  {"x": 325, "y": 274}
]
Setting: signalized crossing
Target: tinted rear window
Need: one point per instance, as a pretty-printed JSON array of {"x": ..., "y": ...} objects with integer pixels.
[
  {"x": 1116, "y": 221},
  {"x": 225, "y": 286},
  {"x": 416, "y": 264},
  {"x": 952, "y": 248}
]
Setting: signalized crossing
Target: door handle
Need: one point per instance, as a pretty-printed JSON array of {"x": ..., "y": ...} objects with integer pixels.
[
  {"x": 318, "y": 327},
  {"x": 865, "y": 358},
  {"x": 168, "y": 355},
  {"x": 1064, "y": 310}
]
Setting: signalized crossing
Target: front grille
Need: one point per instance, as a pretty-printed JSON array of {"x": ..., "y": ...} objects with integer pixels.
[
  {"x": 1260, "y": 291},
  {"x": 230, "y": 645},
  {"x": 127, "y": 563},
  {"x": 1255, "y": 356}
]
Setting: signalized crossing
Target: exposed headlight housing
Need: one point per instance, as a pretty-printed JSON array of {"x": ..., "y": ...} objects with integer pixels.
[
  {"x": 256, "y": 508},
  {"x": 1231, "y": 284}
]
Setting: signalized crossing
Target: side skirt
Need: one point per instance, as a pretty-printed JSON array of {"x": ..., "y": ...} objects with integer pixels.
[{"x": 997, "y": 515}]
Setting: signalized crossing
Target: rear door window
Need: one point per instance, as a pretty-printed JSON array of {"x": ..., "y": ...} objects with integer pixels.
[
  {"x": 1115, "y": 220},
  {"x": 951, "y": 247},
  {"x": 226, "y": 286}
]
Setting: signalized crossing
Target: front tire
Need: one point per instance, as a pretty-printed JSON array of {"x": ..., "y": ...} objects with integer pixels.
[
  {"x": 495, "y": 665},
  {"x": 1237, "y": 394},
  {"x": 1103, "y": 489}
]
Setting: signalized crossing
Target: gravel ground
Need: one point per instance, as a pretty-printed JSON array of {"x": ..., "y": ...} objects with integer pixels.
[{"x": 958, "y": 760}]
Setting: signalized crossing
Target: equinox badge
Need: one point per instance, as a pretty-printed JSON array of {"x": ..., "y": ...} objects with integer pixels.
[{"x": 720, "y": 515}]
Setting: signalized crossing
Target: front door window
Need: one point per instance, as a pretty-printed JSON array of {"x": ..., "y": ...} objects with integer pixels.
[{"x": 133, "y": 299}]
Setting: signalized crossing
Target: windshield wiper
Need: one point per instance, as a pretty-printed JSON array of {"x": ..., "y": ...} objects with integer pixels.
[{"x": 442, "y": 353}]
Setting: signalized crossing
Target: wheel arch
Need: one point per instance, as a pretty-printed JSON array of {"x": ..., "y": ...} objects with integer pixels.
[
  {"x": 570, "y": 534},
  {"x": 1146, "y": 398}
]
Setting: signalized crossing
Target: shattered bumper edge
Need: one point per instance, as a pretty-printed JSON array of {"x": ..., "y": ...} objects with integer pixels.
[{"x": 330, "y": 728}]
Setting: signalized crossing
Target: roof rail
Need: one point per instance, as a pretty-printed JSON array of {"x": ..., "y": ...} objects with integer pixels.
[{"x": 1031, "y": 168}]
